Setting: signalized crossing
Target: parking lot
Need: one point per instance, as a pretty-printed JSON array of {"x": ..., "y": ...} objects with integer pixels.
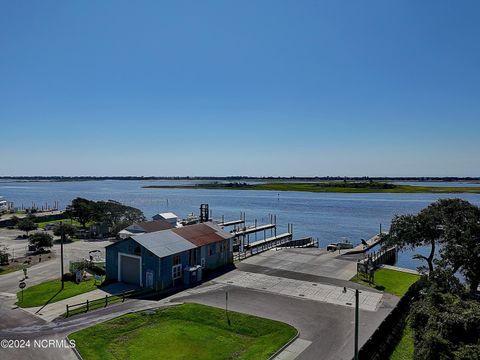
[{"x": 46, "y": 270}]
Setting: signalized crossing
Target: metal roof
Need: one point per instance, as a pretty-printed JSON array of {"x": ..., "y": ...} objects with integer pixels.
[
  {"x": 168, "y": 215},
  {"x": 155, "y": 225},
  {"x": 173, "y": 241},
  {"x": 202, "y": 234},
  {"x": 163, "y": 243}
]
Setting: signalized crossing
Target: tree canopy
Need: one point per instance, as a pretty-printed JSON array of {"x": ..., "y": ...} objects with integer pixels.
[
  {"x": 26, "y": 225},
  {"x": 64, "y": 229},
  {"x": 446, "y": 326},
  {"x": 110, "y": 212},
  {"x": 454, "y": 224},
  {"x": 81, "y": 210},
  {"x": 41, "y": 239}
]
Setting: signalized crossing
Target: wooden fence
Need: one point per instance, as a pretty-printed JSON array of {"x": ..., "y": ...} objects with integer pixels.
[{"x": 102, "y": 302}]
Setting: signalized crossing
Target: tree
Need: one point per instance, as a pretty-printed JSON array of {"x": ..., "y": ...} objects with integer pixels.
[
  {"x": 461, "y": 239},
  {"x": 64, "y": 229},
  {"x": 453, "y": 223},
  {"x": 26, "y": 225},
  {"x": 81, "y": 210},
  {"x": 109, "y": 212},
  {"x": 412, "y": 231},
  {"x": 444, "y": 324},
  {"x": 114, "y": 213},
  {"x": 42, "y": 240}
]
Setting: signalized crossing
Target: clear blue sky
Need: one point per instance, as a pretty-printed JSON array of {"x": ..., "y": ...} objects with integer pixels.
[{"x": 378, "y": 88}]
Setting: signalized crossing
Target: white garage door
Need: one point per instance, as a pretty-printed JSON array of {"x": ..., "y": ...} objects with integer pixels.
[{"x": 130, "y": 270}]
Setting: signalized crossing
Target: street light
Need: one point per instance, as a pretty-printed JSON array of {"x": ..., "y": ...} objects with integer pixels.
[{"x": 357, "y": 295}]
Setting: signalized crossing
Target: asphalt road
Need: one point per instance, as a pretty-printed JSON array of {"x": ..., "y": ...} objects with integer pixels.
[{"x": 329, "y": 327}]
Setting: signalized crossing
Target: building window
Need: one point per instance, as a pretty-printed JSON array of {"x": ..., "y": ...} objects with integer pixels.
[{"x": 176, "y": 271}]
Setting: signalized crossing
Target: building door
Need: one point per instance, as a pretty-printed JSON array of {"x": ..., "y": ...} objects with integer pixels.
[
  {"x": 149, "y": 279},
  {"x": 130, "y": 269}
]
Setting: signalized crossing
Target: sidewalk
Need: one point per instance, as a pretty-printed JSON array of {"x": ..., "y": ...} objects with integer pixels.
[
  {"x": 53, "y": 310},
  {"x": 369, "y": 300}
]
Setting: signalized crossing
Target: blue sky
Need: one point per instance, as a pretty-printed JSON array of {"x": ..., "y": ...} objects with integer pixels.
[{"x": 348, "y": 88}]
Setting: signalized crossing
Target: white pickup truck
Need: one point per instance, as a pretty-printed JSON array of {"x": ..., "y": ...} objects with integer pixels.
[
  {"x": 340, "y": 246},
  {"x": 3, "y": 206}
]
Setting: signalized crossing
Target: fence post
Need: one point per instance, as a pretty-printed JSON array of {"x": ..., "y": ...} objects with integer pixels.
[
  {"x": 67, "y": 310},
  {"x": 87, "y": 306},
  {"x": 106, "y": 300}
]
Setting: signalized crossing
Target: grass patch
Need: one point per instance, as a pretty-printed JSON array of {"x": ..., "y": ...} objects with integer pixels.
[
  {"x": 335, "y": 187},
  {"x": 49, "y": 291},
  {"x": 391, "y": 281},
  {"x": 188, "y": 331},
  {"x": 404, "y": 349},
  {"x": 9, "y": 269},
  {"x": 42, "y": 224}
]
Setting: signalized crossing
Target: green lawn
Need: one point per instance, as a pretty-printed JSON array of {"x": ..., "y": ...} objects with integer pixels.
[
  {"x": 188, "y": 331},
  {"x": 391, "y": 281},
  {"x": 49, "y": 291},
  {"x": 404, "y": 349},
  {"x": 42, "y": 224},
  {"x": 335, "y": 187}
]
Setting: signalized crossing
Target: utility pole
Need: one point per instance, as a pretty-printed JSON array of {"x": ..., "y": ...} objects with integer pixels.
[
  {"x": 357, "y": 302},
  {"x": 61, "y": 253},
  {"x": 357, "y": 295}
]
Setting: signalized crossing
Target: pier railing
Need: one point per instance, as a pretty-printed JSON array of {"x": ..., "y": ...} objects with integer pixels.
[{"x": 375, "y": 259}]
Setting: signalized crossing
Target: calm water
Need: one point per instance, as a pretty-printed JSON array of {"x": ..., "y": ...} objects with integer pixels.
[{"x": 325, "y": 216}]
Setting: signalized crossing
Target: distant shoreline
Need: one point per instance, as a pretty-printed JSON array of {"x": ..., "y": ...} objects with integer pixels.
[
  {"x": 267, "y": 179},
  {"x": 333, "y": 187}
]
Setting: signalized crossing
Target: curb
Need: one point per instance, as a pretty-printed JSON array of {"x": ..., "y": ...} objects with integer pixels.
[
  {"x": 75, "y": 351},
  {"x": 285, "y": 346}
]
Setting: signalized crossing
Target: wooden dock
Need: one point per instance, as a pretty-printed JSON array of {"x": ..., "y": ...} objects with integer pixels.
[
  {"x": 253, "y": 229},
  {"x": 359, "y": 249},
  {"x": 259, "y": 246},
  {"x": 307, "y": 242},
  {"x": 270, "y": 241},
  {"x": 231, "y": 223}
]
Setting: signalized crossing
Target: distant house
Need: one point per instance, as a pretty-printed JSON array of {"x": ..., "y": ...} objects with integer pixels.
[
  {"x": 168, "y": 258},
  {"x": 145, "y": 227},
  {"x": 167, "y": 216},
  {"x": 99, "y": 230}
]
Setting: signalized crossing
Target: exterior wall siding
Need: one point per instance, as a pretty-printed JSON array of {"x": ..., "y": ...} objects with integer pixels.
[{"x": 161, "y": 268}]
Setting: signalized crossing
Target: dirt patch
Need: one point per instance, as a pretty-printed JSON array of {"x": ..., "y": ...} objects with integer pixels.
[{"x": 25, "y": 262}]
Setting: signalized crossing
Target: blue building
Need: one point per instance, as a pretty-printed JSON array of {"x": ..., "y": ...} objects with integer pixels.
[{"x": 169, "y": 258}]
